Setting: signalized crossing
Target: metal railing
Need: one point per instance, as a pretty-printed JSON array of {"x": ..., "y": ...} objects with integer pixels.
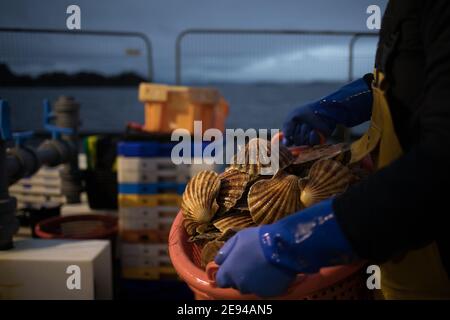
[
  {"x": 353, "y": 38},
  {"x": 99, "y": 68},
  {"x": 93, "y": 33}
]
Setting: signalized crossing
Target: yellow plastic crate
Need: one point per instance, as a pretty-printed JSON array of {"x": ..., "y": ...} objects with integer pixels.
[{"x": 154, "y": 200}]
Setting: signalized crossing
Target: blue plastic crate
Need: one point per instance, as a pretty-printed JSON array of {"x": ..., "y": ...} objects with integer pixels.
[
  {"x": 150, "y": 148},
  {"x": 139, "y": 149},
  {"x": 165, "y": 149},
  {"x": 152, "y": 188}
]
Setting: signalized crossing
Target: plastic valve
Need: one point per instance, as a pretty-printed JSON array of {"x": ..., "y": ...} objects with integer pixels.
[
  {"x": 20, "y": 137},
  {"x": 5, "y": 120},
  {"x": 48, "y": 117},
  {"x": 5, "y": 126}
]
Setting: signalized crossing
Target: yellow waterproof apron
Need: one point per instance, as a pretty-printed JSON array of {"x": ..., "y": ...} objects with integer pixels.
[{"x": 419, "y": 274}]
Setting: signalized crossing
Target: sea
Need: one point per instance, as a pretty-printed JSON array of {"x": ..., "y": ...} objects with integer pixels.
[{"x": 108, "y": 109}]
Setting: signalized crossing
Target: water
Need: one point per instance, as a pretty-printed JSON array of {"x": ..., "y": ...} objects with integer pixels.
[
  {"x": 102, "y": 109},
  {"x": 108, "y": 109}
]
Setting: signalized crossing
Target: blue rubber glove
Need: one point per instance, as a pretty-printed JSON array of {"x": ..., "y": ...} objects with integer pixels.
[
  {"x": 264, "y": 260},
  {"x": 243, "y": 266},
  {"x": 349, "y": 106}
]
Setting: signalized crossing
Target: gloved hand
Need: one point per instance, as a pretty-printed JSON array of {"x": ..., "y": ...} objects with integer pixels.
[
  {"x": 243, "y": 266},
  {"x": 264, "y": 260},
  {"x": 349, "y": 106}
]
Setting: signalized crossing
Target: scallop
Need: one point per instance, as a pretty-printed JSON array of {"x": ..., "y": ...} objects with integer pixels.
[
  {"x": 199, "y": 201},
  {"x": 338, "y": 151},
  {"x": 208, "y": 236},
  {"x": 242, "y": 203},
  {"x": 257, "y": 158},
  {"x": 272, "y": 199},
  {"x": 285, "y": 157},
  {"x": 210, "y": 251},
  {"x": 227, "y": 235},
  {"x": 233, "y": 184},
  {"x": 302, "y": 182},
  {"x": 239, "y": 220},
  {"x": 326, "y": 178}
]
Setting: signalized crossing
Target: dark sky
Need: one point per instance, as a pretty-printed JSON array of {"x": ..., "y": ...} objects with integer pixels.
[{"x": 163, "y": 20}]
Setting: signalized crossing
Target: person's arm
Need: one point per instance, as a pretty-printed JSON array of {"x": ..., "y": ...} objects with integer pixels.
[
  {"x": 349, "y": 106},
  {"x": 402, "y": 206}
]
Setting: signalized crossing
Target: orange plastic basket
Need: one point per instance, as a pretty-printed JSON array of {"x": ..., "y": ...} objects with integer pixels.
[
  {"x": 340, "y": 282},
  {"x": 173, "y": 107}
]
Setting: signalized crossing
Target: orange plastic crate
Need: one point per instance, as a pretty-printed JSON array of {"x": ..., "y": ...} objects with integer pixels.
[
  {"x": 172, "y": 107},
  {"x": 144, "y": 236},
  {"x": 145, "y": 273}
]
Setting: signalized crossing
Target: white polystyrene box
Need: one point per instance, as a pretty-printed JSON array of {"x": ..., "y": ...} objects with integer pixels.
[
  {"x": 138, "y": 218},
  {"x": 37, "y": 269},
  {"x": 153, "y": 170}
]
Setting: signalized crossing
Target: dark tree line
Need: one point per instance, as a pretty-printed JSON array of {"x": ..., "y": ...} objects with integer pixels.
[{"x": 9, "y": 78}]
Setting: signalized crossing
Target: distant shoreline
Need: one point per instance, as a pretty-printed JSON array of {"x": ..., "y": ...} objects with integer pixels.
[{"x": 62, "y": 79}]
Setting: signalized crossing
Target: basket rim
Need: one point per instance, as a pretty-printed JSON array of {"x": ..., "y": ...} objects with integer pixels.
[
  {"x": 198, "y": 280},
  {"x": 54, "y": 221}
]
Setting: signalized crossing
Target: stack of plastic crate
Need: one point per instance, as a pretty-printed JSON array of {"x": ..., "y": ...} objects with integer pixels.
[
  {"x": 150, "y": 188},
  {"x": 42, "y": 188},
  {"x": 150, "y": 184}
]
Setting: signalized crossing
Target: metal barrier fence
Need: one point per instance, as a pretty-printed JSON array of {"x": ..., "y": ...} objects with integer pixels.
[
  {"x": 35, "y": 51},
  {"x": 95, "y": 67},
  {"x": 207, "y": 55}
]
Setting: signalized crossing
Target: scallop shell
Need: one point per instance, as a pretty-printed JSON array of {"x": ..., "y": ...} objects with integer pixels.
[
  {"x": 208, "y": 236},
  {"x": 285, "y": 157},
  {"x": 257, "y": 158},
  {"x": 339, "y": 151},
  {"x": 253, "y": 158},
  {"x": 272, "y": 199},
  {"x": 326, "y": 178},
  {"x": 242, "y": 203},
  {"x": 238, "y": 220},
  {"x": 195, "y": 228},
  {"x": 210, "y": 251},
  {"x": 199, "y": 201},
  {"x": 227, "y": 235},
  {"x": 302, "y": 182},
  {"x": 233, "y": 184}
]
